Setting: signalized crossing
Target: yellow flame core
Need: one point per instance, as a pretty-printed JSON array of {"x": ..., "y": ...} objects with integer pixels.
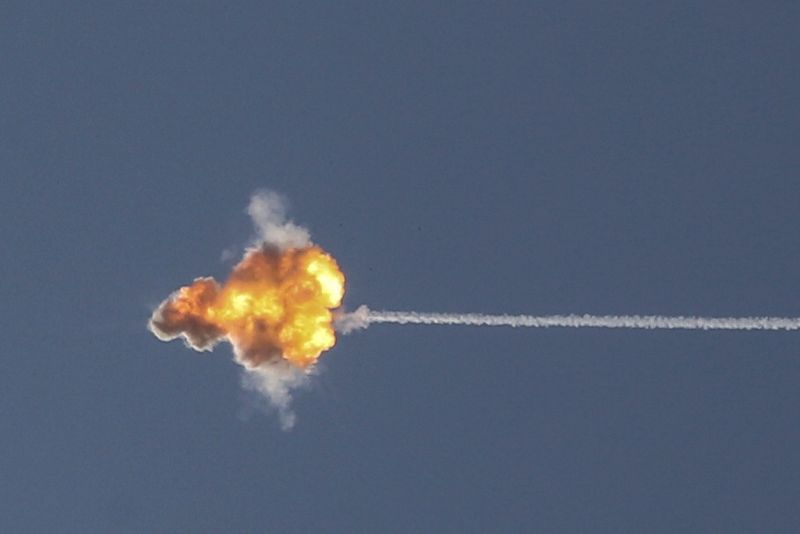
[{"x": 274, "y": 303}]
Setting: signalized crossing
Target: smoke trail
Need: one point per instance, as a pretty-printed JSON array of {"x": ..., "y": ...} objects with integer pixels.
[{"x": 363, "y": 317}]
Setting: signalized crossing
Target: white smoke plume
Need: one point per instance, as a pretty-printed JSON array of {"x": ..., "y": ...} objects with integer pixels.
[
  {"x": 268, "y": 209},
  {"x": 275, "y": 382},
  {"x": 363, "y": 317}
]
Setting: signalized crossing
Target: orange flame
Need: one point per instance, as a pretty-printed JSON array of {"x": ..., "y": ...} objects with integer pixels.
[{"x": 276, "y": 304}]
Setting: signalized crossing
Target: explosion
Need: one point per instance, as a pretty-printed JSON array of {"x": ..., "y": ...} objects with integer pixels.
[
  {"x": 276, "y": 304},
  {"x": 275, "y": 309}
]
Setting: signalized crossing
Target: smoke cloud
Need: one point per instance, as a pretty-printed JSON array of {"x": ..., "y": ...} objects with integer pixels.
[
  {"x": 275, "y": 383},
  {"x": 274, "y": 309},
  {"x": 268, "y": 210}
]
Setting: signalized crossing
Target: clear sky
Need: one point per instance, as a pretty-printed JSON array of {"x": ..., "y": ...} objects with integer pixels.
[{"x": 514, "y": 157}]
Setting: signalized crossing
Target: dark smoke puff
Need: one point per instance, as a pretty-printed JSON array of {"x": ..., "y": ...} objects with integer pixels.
[{"x": 179, "y": 316}]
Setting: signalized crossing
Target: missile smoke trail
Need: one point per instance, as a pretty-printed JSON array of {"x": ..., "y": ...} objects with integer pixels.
[{"x": 363, "y": 317}]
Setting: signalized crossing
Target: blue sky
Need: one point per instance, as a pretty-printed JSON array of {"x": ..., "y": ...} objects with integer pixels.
[{"x": 547, "y": 157}]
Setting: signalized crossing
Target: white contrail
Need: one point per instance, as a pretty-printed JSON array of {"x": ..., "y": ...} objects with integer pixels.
[{"x": 363, "y": 317}]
